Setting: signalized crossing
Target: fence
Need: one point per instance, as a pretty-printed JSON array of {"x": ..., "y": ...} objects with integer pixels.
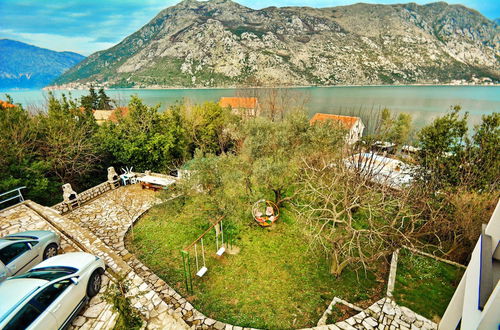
[{"x": 18, "y": 195}]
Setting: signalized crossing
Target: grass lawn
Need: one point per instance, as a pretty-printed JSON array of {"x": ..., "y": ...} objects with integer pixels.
[
  {"x": 273, "y": 282},
  {"x": 425, "y": 285}
]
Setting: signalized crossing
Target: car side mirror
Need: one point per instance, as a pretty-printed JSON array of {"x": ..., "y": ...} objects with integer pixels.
[{"x": 75, "y": 280}]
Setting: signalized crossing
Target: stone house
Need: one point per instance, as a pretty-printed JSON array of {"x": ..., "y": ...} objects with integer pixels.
[
  {"x": 102, "y": 116},
  {"x": 354, "y": 125},
  {"x": 246, "y": 107}
]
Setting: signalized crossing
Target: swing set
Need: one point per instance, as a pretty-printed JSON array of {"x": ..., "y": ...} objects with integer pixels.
[{"x": 220, "y": 249}]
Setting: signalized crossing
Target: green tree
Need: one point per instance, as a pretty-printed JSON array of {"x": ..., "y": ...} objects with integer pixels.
[
  {"x": 144, "y": 139},
  {"x": 104, "y": 102},
  {"x": 485, "y": 153},
  {"x": 442, "y": 149},
  {"x": 206, "y": 126},
  {"x": 395, "y": 129},
  {"x": 450, "y": 157},
  {"x": 20, "y": 160},
  {"x": 91, "y": 101},
  {"x": 66, "y": 141}
]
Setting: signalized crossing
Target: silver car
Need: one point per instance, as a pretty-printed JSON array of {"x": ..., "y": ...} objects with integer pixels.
[
  {"x": 20, "y": 252},
  {"x": 50, "y": 295}
]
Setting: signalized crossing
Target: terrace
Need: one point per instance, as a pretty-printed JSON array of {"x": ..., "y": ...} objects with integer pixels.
[{"x": 104, "y": 217}]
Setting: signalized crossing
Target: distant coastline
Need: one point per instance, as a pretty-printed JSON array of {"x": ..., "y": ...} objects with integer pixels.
[{"x": 63, "y": 87}]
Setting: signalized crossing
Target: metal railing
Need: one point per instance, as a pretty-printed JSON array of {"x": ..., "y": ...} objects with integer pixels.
[{"x": 18, "y": 195}]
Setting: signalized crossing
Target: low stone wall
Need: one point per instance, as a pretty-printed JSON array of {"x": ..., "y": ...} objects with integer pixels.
[
  {"x": 385, "y": 314},
  {"x": 84, "y": 196}
]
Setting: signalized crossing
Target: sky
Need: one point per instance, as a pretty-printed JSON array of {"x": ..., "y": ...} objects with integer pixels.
[{"x": 86, "y": 26}]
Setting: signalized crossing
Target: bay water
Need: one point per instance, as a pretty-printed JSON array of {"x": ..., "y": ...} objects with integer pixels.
[{"x": 424, "y": 103}]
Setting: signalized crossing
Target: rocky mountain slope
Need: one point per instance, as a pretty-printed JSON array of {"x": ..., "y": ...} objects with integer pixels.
[
  {"x": 27, "y": 66},
  {"x": 221, "y": 43}
]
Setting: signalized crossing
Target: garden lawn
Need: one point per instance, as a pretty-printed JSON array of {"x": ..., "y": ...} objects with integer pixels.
[
  {"x": 274, "y": 282},
  {"x": 425, "y": 285}
]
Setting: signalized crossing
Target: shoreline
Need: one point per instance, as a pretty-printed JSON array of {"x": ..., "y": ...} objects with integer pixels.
[{"x": 50, "y": 88}]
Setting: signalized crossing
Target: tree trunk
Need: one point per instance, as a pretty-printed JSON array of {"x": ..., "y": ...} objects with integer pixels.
[{"x": 277, "y": 196}]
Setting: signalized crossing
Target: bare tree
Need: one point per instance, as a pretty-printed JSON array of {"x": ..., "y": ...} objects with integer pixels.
[
  {"x": 275, "y": 102},
  {"x": 350, "y": 219}
]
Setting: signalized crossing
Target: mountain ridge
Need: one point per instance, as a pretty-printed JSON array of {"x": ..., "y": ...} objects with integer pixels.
[
  {"x": 220, "y": 43},
  {"x": 27, "y": 66}
]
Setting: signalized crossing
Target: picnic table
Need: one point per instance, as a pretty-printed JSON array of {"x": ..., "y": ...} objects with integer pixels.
[{"x": 155, "y": 183}]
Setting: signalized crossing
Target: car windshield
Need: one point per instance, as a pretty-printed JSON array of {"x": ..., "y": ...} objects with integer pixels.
[
  {"x": 17, "y": 238},
  {"x": 48, "y": 273}
]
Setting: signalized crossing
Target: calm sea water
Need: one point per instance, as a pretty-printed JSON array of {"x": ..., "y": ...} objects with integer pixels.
[{"x": 424, "y": 103}]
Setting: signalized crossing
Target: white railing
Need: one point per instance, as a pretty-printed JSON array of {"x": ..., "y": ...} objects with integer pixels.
[{"x": 18, "y": 195}]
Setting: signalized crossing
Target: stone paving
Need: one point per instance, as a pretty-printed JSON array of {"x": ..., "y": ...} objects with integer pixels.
[
  {"x": 110, "y": 216},
  {"x": 22, "y": 218},
  {"x": 99, "y": 227},
  {"x": 385, "y": 314},
  {"x": 154, "y": 310}
]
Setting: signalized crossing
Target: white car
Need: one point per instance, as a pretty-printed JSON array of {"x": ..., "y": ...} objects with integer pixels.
[
  {"x": 50, "y": 295},
  {"x": 22, "y": 251}
]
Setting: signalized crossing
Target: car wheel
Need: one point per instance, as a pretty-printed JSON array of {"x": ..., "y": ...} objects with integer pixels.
[
  {"x": 50, "y": 251},
  {"x": 94, "y": 285}
]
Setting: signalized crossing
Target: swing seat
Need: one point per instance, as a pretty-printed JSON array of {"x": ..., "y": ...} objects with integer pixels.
[
  {"x": 221, "y": 251},
  {"x": 202, "y": 271}
]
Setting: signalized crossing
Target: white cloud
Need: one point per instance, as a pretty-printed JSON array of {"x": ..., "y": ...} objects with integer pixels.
[{"x": 81, "y": 45}]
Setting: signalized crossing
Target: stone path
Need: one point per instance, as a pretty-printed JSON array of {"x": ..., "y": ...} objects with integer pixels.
[
  {"x": 383, "y": 314},
  {"x": 386, "y": 314},
  {"x": 99, "y": 227},
  {"x": 111, "y": 214},
  {"x": 23, "y": 218},
  {"x": 154, "y": 310}
]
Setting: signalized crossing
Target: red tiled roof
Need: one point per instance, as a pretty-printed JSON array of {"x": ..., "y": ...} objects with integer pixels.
[
  {"x": 6, "y": 104},
  {"x": 238, "y": 102},
  {"x": 347, "y": 121},
  {"x": 114, "y": 117}
]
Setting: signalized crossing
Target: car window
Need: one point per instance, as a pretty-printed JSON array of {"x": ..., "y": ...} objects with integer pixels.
[
  {"x": 48, "y": 273},
  {"x": 23, "y": 318},
  {"x": 49, "y": 294},
  {"x": 11, "y": 252},
  {"x": 33, "y": 243}
]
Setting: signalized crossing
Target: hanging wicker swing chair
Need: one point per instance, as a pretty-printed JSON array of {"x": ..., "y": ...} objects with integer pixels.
[{"x": 265, "y": 212}]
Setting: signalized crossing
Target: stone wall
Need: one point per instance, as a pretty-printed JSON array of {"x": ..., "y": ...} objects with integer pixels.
[
  {"x": 84, "y": 196},
  {"x": 384, "y": 314}
]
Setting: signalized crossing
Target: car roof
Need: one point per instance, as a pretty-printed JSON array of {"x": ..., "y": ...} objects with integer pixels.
[
  {"x": 32, "y": 234},
  {"x": 15, "y": 291},
  {"x": 23, "y": 236},
  {"x": 78, "y": 260}
]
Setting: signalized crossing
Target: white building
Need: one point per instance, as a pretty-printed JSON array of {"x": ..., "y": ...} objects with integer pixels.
[
  {"x": 354, "y": 125},
  {"x": 476, "y": 302},
  {"x": 383, "y": 170}
]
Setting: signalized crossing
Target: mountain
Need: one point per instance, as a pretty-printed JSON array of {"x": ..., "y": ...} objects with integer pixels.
[
  {"x": 221, "y": 43},
  {"x": 27, "y": 66}
]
